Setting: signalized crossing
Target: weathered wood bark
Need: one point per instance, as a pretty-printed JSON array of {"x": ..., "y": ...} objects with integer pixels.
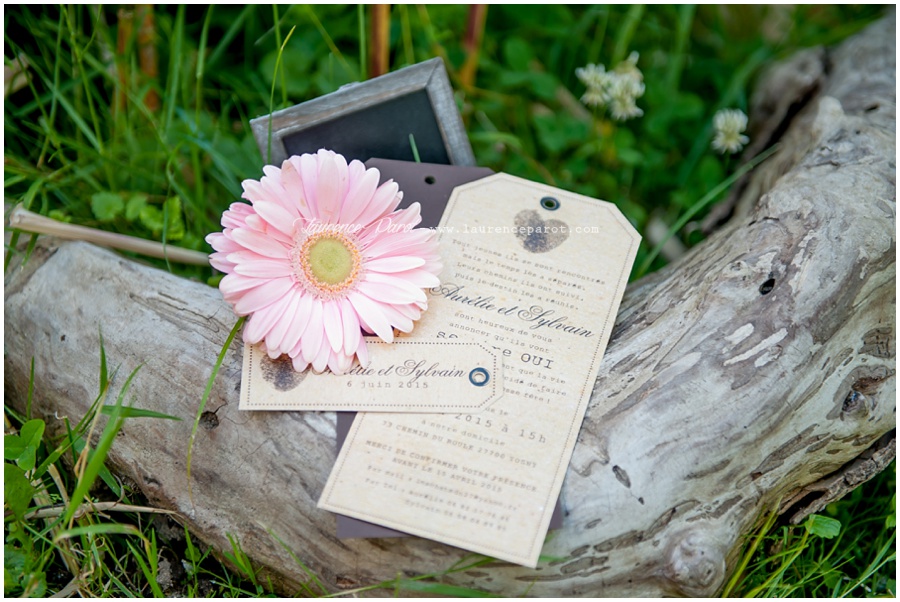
[{"x": 757, "y": 368}]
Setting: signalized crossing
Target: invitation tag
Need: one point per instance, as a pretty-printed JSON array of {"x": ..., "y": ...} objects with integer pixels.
[
  {"x": 536, "y": 273},
  {"x": 430, "y": 185},
  {"x": 419, "y": 375}
]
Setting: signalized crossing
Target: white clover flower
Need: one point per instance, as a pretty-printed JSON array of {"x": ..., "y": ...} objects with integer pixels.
[
  {"x": 622, "y": 94},
  {"x": 617, "y": 89},
  {"x": 594, "y": 98},
  {"x": 629, "y": 67},
  {"x": 592, "y": 75},
  {"x": 595, "y": 78},
  {"x": 729, "y": 125}
]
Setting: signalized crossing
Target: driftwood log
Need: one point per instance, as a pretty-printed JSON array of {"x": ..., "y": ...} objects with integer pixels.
[{"x": 758, "y": 368}]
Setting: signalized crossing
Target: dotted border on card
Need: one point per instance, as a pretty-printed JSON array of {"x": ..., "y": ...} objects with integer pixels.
[{"x": 252, "y": 350}]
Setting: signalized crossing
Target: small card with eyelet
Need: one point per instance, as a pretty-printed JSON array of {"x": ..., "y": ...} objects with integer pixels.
[
  {"x": 536, "y": 273},
  {"x": 408, "y": 375}
]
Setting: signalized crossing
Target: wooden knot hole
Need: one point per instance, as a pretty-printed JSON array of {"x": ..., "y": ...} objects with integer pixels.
[
  {"x": 853, "y": 401},
  {"x": 766, "y": 287},
  {"x": 209, "y": 420}
]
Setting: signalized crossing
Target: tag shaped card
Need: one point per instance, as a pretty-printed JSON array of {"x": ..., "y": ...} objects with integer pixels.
[
  {"x": 431, "y": 185},
  {"x": 403, "y": 376},
  {"x": 537, "y": 274}
]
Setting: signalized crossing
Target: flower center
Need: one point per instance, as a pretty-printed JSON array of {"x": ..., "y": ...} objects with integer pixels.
[{"x": 328, "y": 262}]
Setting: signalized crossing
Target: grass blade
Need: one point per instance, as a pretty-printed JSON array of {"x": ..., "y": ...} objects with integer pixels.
[
  {"x": 99, "y": 529},
  {"x": 148, "y": 567},
  {"x": 703, "y": 202},
  {"x": 229, "y": 35},
  {"x": 361, "y": 19},
  {"x": 748, "y": 555},
  {"x": 442, "y": 589},
  {"x": 174, "y": 77},
  {"x": 626, "y": 32},
  {"x": 330, "y": 42},
  {"x": 209, "y": 385},
  {"x": 128, "y": 412},
  {"x": 312, "y": 576},
  {"x": 30, "y": 391},
  {"x": 104, "y": 369},
  {"x": 272, "y": 95},
  {"x": 679, "y": 54},
  {"x": 414, "y": 148},
  {"x": 113, "y": 425}
]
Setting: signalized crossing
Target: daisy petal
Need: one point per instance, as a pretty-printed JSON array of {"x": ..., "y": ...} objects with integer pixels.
[
  {"x": 394, "y": 292},
  {"x": 359, "y": 196},
  {"x": 264, "y": 268},
  {"x": 218, "y": 262},
  {"x": 253, "y": 191},
  {"x": 362, "y": 353},
  {"x": 291, "y": 341},
  {"x": 260, "y": 243},
  {"x": 411, "y": 216},
  {"x": 314, "y": 333},
  {"x": 409, "y": 310},
  {"x": 262, "y": 321},
  {"x": 395, "y": 264},
  {"x": 339, "y": 363},
  {"x": 293, "y": 184},
  {"x": 262, "y": 296},
  {"x": 334, "y": 330},
  {"x": 309, "y": 174},
  {"x": 400, "y": 243},
  {"x": 385, "y": 199},
  {"x": 350, "y": 326},
  {"x": 282, "y": 325},
  {"x": 327, "y": 190},
  {"x": 320, "y": 360},
  {"x": 370, "y": 311},
  {"x": 275, "y": 192},
  {"x": 418, "y": 278},
  {"x": 276, "y": 216},
  {"x": 397, "y": 319},
  {"x": 235, "y": 283},
  {"x": 299, "y": 363}
]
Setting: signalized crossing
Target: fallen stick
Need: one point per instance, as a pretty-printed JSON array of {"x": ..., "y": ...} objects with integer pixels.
[{"x": 27, "y": 221}]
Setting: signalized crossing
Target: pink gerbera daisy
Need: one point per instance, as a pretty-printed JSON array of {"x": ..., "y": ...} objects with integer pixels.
[{"x": 320, "y": 254}]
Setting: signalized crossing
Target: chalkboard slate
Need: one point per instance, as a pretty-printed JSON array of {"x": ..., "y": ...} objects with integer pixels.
[
  {"x": 380, "y": 130},
  {"x": 374, "y": 119}
]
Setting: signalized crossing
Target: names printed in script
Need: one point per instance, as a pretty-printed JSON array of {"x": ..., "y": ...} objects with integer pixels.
[
  {"x": 446, "y": 375},
  {"x": 541, "y": 288}
]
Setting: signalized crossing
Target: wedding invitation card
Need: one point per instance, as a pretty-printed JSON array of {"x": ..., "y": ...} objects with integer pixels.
[{"x": 535, "y": 274}]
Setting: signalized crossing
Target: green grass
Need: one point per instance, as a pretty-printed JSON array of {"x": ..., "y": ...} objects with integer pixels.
[
  {"x": 82, "y": 146},
  {"x": 849, "y": 550}
]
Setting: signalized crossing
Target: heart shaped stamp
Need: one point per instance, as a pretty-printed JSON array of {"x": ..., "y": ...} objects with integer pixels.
[
  {"x": 280, "y": 372},
  {"x": 538, "y": 235}
]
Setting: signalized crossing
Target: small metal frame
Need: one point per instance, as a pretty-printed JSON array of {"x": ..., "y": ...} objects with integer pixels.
[{"x": 374, "y": 119}]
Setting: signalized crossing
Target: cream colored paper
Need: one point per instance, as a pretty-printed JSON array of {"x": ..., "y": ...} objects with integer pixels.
[
  {"x": 404, "y": 376},
  {"x": 541, "y": 286}
]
